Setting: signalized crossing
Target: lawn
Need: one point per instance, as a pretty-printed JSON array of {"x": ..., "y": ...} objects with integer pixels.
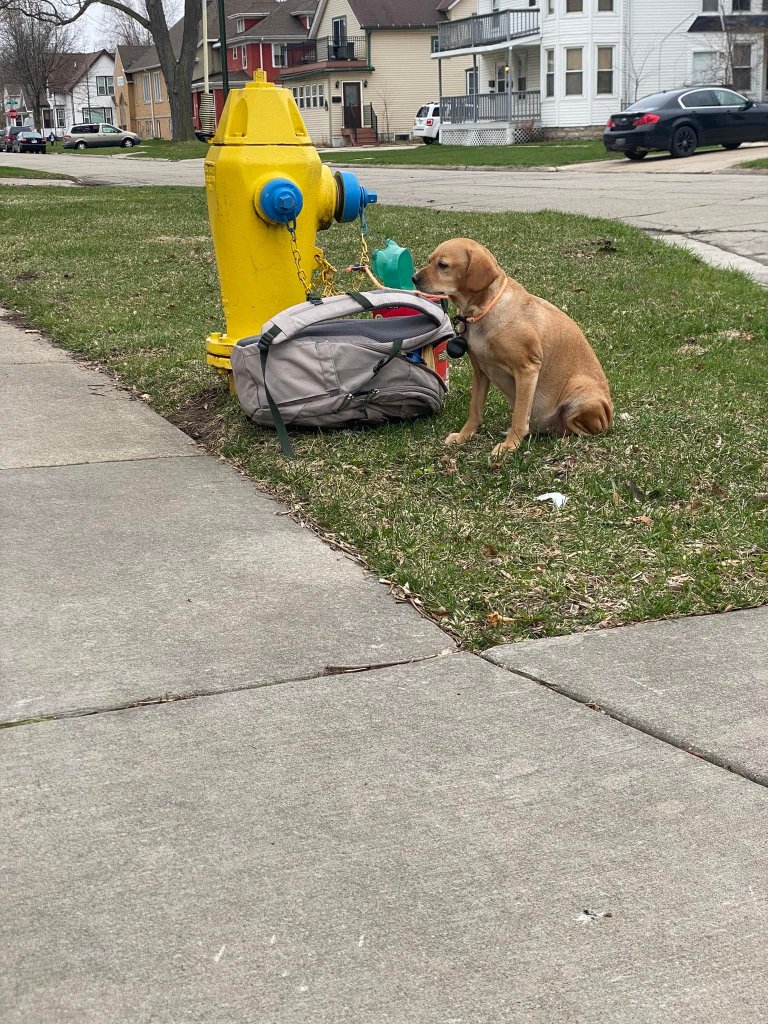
[
  {"x": 162, "y": 149},
  {"x": 541, "y": 154},
  {"x": 28, "y": 172},
  {"x": 761, "y": 164},
  {"x": 667, "y": 513}
]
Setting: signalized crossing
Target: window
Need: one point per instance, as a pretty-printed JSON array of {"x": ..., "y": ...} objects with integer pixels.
[
  {"x": 245, "y": 57},
  {"x": 605, "y": 71},
  {"x": 741, "y": 5},
  {"x": 146, "y": 88},
  {"x": 105, "y": 85},
  {"x": 705, "y": 66},
  {"x": 97, "y": 115},
  {"x": 235, "y": 51},
  {"x": 157, "y": 81},
  {"x": 434, "y": 43},
  {"x": 279, "y": 55},
  {"x": 710, "y": 6},
  {"x": 729, "y": 98},
  {"x": 240, "y": 25},
  {"x": 107, "y": 129},
  {"x": 700, "y": 98},
  {"x": 471, "y": 81},
  {"x": 574, "y": 74},
  {"x": 550, "y": 6},
  {"x": 550, "y": 83},
  {"x": 60, "y": 120},
  {"x": 605, "y": 5},
  {"x": 521, "y": 65},
  {"x": 501, "y": 77},
  {"x": 742, "y": 66},
  {"x": 574, "y": 6}
]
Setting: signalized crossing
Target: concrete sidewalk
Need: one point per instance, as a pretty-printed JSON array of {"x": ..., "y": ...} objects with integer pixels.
[{"x": 275, "y": 840}]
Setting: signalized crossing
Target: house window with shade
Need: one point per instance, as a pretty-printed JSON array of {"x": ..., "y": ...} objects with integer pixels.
[
  {"x": 574, "y": 71},
  {"x": 605, "y": 71}
]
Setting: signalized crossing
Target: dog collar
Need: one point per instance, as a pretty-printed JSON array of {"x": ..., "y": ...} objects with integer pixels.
[{"x": 489, "y": 307}]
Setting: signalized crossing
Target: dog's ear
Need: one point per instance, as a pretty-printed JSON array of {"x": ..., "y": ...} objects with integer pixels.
[{"x": 482, "y": 269}]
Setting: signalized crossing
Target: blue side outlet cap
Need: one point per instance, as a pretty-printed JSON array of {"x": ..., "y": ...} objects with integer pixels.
[
  {"x": 352, "y": 197},
  {"x": 281, "y": 201}
]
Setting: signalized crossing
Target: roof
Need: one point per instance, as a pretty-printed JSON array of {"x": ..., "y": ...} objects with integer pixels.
[
  {"x": 398, "y": 13},
  {"x": 70, "y": 69},
  {"x": 280, "y": 21},
  {"x": 731, "y": 23},
  {"x": 130, "y": 54}
]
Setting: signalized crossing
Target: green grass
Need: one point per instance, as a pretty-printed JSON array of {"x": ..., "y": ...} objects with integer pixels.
[
  {"x": 28, "y": 172},
  {"x": 761, "y": 164},
  {"x": 541, "y": 154},
  {"x": 668, "y": 512},
  {"x": 162, "y": 149}
]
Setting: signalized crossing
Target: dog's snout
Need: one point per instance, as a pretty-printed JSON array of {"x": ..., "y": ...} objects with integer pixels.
[{"x": 415, "y": 278}]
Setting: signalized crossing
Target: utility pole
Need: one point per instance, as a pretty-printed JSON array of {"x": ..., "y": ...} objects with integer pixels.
[{"x": 223, "y": 50}]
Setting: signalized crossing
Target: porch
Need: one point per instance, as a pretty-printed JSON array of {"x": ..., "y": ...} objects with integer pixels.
[{"x": 486, "y": 31}]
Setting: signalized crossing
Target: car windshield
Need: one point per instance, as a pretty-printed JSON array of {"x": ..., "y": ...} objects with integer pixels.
[{"x": 658, "y": 99}]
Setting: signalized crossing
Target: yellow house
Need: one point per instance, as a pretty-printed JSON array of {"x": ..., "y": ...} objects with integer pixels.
[
  {"x": 366, "y": 68},
  {"x": 141, "y": 95}
]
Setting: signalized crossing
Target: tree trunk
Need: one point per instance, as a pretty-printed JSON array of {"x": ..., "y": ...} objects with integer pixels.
[{"x": 177, "y": 72}]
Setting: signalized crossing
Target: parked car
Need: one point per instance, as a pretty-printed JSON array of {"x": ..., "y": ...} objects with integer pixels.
[
  {"x": 683, "y": 119},
  {"x": 87, "y": 136},
  {"x": 8, "y": 135},
  {"x": 427, "y": 124},
  {"x": 28, "y": 142}
]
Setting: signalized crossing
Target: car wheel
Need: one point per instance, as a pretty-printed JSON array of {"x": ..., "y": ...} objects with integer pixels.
[
  {"x": 80, "y": 145},
  {"x": 731, "y": 145},
  {"x": 128, "y": 143},
  {"x": 426, "y": 139},
  {"x": 636, "y": 154},
  {"x": 684, "y": 141}
]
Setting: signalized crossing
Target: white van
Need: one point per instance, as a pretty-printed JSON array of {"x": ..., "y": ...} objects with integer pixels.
[{"x": 427, "y": 124}]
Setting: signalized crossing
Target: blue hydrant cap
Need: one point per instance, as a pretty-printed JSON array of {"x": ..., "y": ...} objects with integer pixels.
[
  {"x": 281, "y": 200},
  {"x": 352, "y": 197}
]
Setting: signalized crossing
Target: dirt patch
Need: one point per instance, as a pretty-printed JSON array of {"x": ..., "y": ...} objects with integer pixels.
[{"x": 201, "y": 416}]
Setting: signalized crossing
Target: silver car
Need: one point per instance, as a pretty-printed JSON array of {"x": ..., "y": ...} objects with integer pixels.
[{"x": 89, "y": 136}]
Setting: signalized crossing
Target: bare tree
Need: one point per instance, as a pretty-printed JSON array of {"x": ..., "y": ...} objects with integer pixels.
[
  {"x": 177, "y": 68},
  {"x": 31, "y": 51},
  {"x": 125, "y": 30},
  {"x": 726, "y": 53}
]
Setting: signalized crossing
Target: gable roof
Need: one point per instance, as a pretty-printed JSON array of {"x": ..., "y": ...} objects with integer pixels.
[
  {"x": 397, "y": 13},
  {"x": 281, "y": 20},
  {"x": 71, "y": 68},
  {"x": 130, "y": 54}
]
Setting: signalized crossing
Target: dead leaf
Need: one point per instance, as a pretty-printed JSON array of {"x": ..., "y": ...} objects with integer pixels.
[
  {"x": 645, "y": 520},
  {"x": 494, "y": 619},
  {"x": 679, "y": 582}
]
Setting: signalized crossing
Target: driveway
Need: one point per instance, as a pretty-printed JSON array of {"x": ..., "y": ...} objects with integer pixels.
[{"x": 718, "y": 214}]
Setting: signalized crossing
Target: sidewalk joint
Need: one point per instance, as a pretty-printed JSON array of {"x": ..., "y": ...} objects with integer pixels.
[
  {"x": 173, "y": 698},
  {"x": 618, "y": 716}
]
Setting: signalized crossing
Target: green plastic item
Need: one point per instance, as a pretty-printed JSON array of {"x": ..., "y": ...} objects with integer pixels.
[{"x": 393, "y": 266}]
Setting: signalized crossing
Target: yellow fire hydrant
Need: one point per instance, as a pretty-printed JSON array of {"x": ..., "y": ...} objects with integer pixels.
[{"x": 268, "y": 194}]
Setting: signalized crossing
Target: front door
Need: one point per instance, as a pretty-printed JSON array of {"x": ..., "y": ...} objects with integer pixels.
[{"x": 353, "y": 104}]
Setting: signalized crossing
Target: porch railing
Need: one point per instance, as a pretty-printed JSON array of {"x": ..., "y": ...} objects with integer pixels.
[
  {"x": 318, "y": 51},
  {"x": 487, "y": 29},
  {"x": 491, "y": 106}
]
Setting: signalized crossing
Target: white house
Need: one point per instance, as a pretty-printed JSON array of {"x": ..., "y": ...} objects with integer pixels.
[
  {"x": 81, "y": 89},
  {"x": 567, "y": 65}
]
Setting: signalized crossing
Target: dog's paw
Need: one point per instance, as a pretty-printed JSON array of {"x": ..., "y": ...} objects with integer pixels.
[
  {"x": 457, "y": 438},
  {"x": 503, "y": 449}
]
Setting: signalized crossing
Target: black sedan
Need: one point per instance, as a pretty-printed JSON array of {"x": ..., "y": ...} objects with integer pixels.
[
  {"x": 684, "y": 119},
  {"x": 28, "y": 142}
]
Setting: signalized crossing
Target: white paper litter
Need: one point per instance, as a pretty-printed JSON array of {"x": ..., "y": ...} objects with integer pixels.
[{"x": 557, "y": 499}]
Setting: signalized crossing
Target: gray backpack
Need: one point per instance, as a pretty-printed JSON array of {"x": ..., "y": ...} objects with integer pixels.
[{"x": 311, "y": 368}]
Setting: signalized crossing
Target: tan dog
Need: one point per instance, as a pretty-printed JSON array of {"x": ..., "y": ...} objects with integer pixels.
[{"x": 526, "y": 346}]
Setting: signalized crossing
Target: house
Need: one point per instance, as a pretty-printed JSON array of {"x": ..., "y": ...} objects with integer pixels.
[
  {"x": 365, "y": 68},
  {"x": 141, "y": 95},
  {"x": 80, "y": 90},
  {"x": 254, "y": 41},
  {"x": 564, "y": 66},
  {"x": 15, "y": 102}
]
